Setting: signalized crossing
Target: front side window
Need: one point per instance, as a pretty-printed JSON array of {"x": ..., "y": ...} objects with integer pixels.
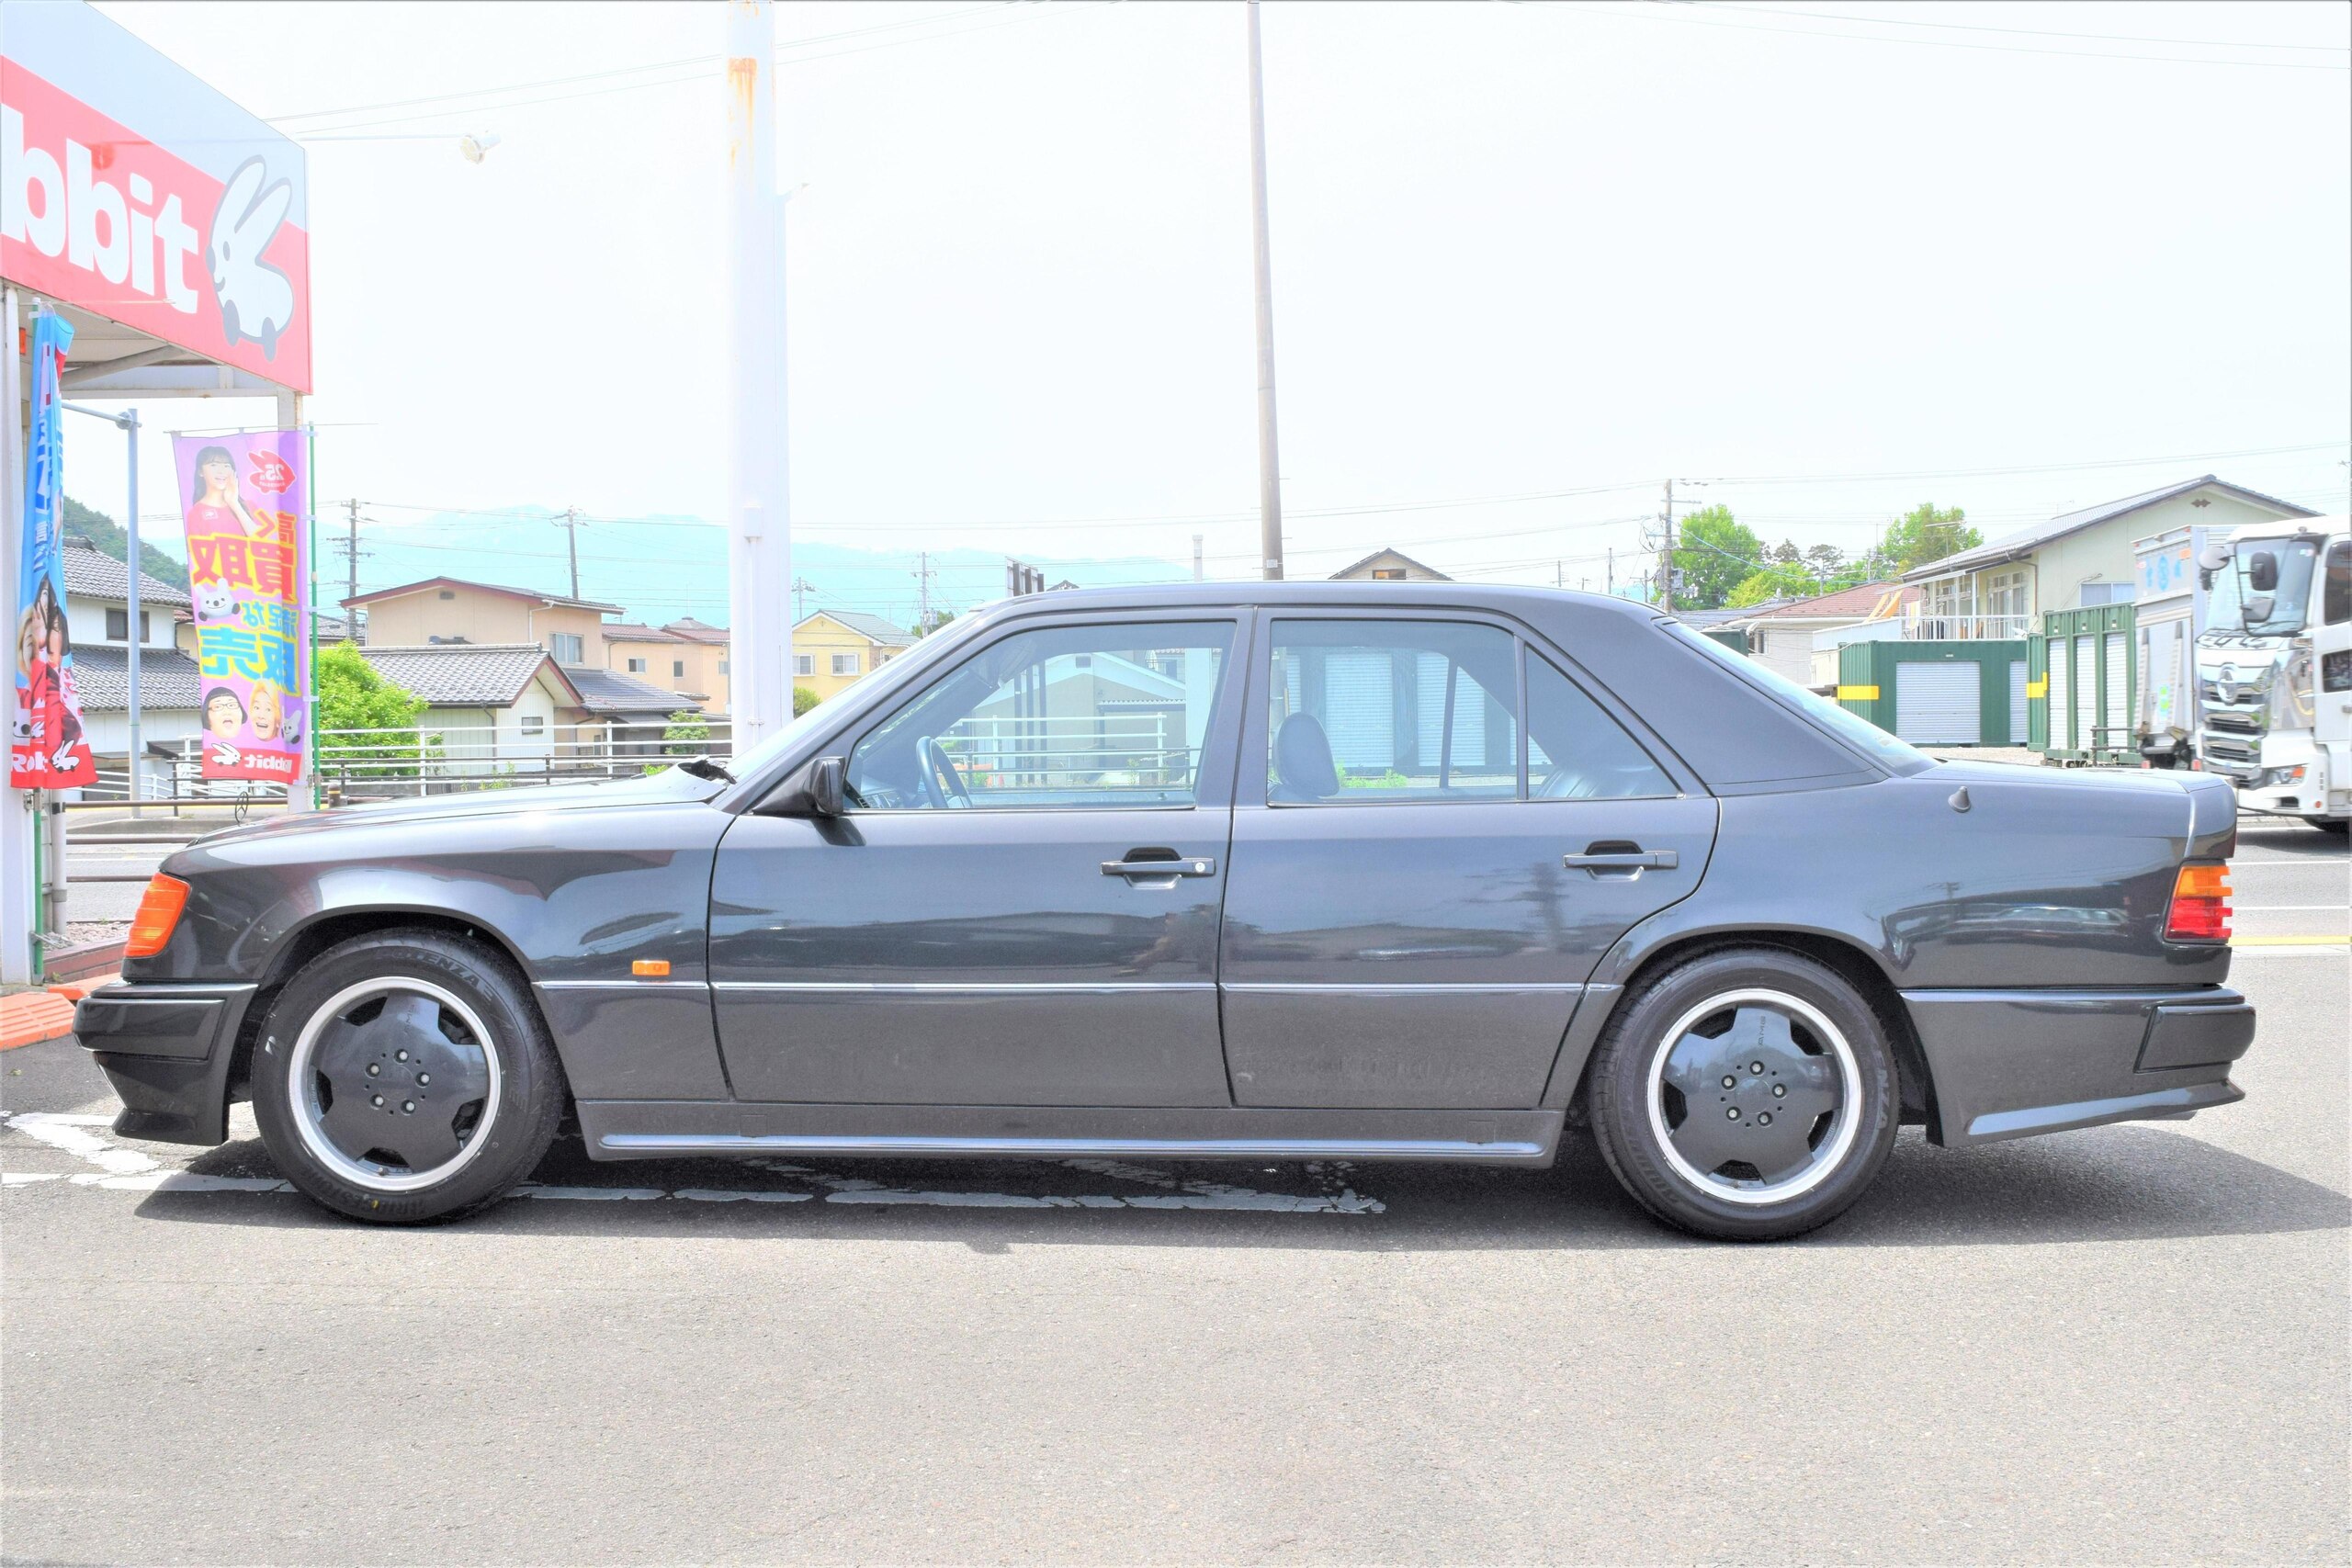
[
  {"x": 2336, "y": 599},
  {"x": 1372, "y": 711},
  {"x": 1061, "y": 718},
  {"x": 1575, "y": 752}
]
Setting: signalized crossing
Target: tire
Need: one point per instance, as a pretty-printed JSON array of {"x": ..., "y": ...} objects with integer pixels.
[
  {"x": 1768, "y": 1173},
  {"x": 345, "y": 1078},
  {"x": 2333, "y": 823}
]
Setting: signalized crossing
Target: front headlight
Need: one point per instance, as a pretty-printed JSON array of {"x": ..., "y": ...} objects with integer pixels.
[{"x": 2289, "y": 705}]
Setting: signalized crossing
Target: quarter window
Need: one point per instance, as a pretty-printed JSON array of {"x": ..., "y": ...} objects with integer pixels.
[
  {"x": 1101, "y": 717},
  {"x": 1575, "y": 751},
  {"x": 1369, "y": 711}
]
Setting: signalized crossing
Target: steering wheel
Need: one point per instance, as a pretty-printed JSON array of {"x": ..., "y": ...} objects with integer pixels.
[{"x": 942, "y": 780}]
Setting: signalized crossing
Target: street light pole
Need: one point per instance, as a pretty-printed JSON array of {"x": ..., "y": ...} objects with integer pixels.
[
  {"x": 1269, "y": 482},
  {"x": 759, "y": 512}
]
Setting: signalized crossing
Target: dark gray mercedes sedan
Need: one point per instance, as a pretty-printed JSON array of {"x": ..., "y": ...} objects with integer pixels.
[{"x": 1302, "y": 871}]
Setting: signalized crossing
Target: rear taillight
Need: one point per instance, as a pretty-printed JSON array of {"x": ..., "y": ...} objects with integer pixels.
[
  {"x": 2200, "y": 904},
  {"x": 159, "y": 911}
]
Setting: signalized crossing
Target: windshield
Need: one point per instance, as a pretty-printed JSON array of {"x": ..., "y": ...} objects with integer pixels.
[
  {"x": 1851, "y": 728},
  {"x": 2238, "y": 604},
  {"x": 743, "y": 765}
]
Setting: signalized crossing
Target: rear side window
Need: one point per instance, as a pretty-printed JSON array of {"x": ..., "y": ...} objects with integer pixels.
[
  {"x": 1575, "y": 751},
  {"x": 1368, "y": 711}
]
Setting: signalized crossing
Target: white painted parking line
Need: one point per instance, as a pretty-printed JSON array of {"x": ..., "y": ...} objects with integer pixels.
[{"x": 121, "y": 1170}]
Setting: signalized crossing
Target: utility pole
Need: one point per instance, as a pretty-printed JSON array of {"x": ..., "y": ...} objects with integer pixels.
[
  {"x": 1270, "y": 481},
  {"x": 570, "y": 544},
  {"x": 801, "y": 586},
  {"x": 1611, "y": 578},
  {"x": 759, "y": 516},
  {"x": 922, "y": 576},
  {"x": 1665, "y": 561},
  {"x": 1199, "y": 565},
  {"x": 351, "y": 549}
]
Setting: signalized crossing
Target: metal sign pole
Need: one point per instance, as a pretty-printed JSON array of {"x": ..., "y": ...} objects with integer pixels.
[{"x": 19, "y": 869}]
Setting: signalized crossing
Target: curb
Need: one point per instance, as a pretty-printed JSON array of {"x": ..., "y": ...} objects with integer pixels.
[{"x": 27, "y": 1017}]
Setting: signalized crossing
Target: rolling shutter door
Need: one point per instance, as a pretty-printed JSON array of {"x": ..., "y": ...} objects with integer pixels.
[
  {"x": 1359, "y": 709},
  {"x": 2085, "y": 687},
  {"x": 2018, "y": 714},
  {"x": 2118, "y": 693},
  {"x": 2055, "y": 698},
  {"x": 1938, "y": 703}
]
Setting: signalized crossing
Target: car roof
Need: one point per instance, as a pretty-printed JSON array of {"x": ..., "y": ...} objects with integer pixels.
[{"x": 1321, "y": 594}]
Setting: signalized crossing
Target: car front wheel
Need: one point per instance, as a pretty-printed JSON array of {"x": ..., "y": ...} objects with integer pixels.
[
  {"x": 1746, "y": 1095},
  {"x": 406, "y": 1077}
]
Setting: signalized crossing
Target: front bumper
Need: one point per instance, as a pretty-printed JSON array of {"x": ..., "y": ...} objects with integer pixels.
[
  {"x": 169, "y": 1051},
  {"x": 2011, "y": 1063}
]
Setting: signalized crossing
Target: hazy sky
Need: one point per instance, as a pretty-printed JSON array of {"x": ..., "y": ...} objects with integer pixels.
[{"x": 1519, "y": 250}]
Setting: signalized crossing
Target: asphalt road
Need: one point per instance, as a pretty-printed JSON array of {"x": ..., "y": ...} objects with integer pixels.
[{"x": 2122, "y": 1345}]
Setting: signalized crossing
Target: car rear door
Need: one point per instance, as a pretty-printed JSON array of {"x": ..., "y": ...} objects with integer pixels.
[
  {"x": 1020, "y": 903},
  {"x": 1419, "y": 891}
]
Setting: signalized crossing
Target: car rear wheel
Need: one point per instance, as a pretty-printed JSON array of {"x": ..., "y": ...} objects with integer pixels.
[
  {"x": 1747, "y": 1095},
  {"x": 406, "y": 1076}
]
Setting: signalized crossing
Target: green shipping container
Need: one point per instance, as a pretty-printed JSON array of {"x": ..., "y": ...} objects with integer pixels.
[
  {"x": 1962, "y": 693},
  {"x": 2084, "y": 683}
]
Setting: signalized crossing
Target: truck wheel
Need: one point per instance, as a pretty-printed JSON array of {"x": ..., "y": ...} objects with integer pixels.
[
  {"x": 1746, "y": 1095},
  {"x": 2333, "y": 825},
  {"x": 406, "y": 1076}
]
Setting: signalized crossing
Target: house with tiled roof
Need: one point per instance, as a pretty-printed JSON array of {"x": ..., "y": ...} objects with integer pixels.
[
  {"x": 451, "y": 609},
  {"x": 832, "y": 648},
  {"x": 686, "y": 657},
  {"x": 1389, "y": 566},
  {"x": 1785, "y": 635}
]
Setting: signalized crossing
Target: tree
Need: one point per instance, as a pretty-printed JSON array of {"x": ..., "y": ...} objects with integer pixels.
[
  {"x": 687, "y": 734},
  {"x": 1827, "y": 561},
  {"x": 1779, "y": 580},
  {"x": 1712, "y": 557},
  {"x": 1925, "y": 534},
  {"x": 1786, "y": 552},
  {"x": 803, "y": 699},
  {"x": 351, "y": 697},
  {"x": 107, "y": 534},
  {"x": 938, "y": 619}
]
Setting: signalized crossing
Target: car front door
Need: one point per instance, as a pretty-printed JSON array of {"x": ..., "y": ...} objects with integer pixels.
[
  {"x": 1019, "y": 903},
  {"x": 1440, "y": 832}
]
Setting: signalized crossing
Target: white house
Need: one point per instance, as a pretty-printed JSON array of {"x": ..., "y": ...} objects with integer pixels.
[{"x": 2001, "y": 589}]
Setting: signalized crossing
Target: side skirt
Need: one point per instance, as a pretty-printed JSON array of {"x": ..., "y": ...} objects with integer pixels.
[{"x": 668, "y": 1129}]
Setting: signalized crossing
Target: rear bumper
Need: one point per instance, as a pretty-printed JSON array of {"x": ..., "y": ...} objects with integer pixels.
[
  {"x": 167, "y": 1049},
  {"x": 2011, "y": 1063}
]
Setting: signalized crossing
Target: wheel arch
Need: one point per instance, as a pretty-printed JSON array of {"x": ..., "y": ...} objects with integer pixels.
[
  {"x": 331, "y": 928},
  {"x": 1850, "y": 959}
]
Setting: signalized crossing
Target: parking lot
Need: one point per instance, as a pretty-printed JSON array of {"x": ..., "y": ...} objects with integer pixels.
[{"x": 2122, "y": 1345}]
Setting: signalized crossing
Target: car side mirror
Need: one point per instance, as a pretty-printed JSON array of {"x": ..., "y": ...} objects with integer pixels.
[
  {"x": 817, "y": 792},
  {"x": 2214, "y": 555},
  {"x": 2262, "y": 572}
]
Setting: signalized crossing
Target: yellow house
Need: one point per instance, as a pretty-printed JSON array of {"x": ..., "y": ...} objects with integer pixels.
[
  {"x": 687, "y": 657},
  {"x": 833, "y": 648},
  {"x": 448, "y": 609}
]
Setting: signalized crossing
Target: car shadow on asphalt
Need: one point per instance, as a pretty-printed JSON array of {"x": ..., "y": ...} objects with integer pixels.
[{"x": 2106, "y": 1184}]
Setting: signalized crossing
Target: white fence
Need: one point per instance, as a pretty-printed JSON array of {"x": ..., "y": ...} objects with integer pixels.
[
  {"x": 1919, "y": 626},
  {"x": 385, "y": 765}
]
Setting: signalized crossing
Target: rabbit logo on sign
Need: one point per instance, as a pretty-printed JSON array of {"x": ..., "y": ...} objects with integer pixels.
[{"x": 257, "y": 298}]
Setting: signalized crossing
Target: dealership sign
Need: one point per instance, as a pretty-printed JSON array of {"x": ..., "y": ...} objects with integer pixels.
[{"x": 130, "y": 189}]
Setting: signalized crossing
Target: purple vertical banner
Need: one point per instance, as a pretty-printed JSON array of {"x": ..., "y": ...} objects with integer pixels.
[
  {"x": 46, "y": 749},
  {"x": 246, "y": 496}
]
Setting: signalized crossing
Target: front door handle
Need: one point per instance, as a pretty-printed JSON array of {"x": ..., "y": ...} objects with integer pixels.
[
  {"x": 1623, "y": 860},
  {"x": 1198, "y": 865}
]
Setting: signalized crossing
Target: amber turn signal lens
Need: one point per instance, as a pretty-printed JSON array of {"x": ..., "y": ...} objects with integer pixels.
[
  {"x": 650, "y": 967},
  {"x": 158, "y": 912},
  {"x": 2200, "y": 904}
]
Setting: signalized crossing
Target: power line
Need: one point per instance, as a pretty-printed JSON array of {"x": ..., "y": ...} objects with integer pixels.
[
  {"x": 2020, "y": 32},
  {"x": 1679, "y": 12}
]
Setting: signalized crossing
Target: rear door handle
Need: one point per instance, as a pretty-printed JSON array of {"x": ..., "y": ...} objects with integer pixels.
[
  {"x": 1625, "y": 860},
  {"x": 1200, "y": 865}
]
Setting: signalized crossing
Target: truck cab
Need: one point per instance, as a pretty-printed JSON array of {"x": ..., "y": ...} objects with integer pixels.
[{"x": 2274, "y": 668}]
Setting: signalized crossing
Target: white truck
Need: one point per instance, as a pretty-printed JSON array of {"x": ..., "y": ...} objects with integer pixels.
[{"x": 2274, "y": 668}]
